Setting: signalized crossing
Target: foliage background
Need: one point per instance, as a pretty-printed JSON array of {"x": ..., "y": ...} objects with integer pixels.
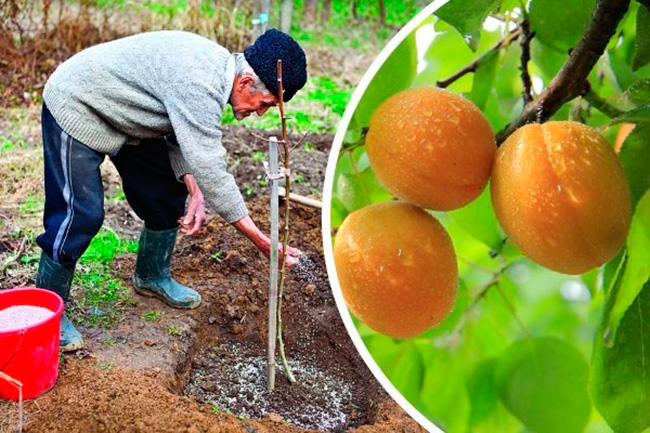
[{"x": 525, "y": 349}]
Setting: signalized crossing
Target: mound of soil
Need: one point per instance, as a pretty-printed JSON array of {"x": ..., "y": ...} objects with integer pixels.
[{"x": 204, "y": 370}]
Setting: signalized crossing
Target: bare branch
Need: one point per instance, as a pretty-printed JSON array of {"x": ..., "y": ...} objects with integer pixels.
[
  {"x": 569, "y": 81},
  {"x": 285, "y": 240}
]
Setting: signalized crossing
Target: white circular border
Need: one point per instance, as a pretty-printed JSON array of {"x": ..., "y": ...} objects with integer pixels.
[{"x": 326, "y": 214}]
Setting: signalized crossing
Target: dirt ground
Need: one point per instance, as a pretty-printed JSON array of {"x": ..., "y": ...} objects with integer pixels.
[{"x": 203, "y": 370}]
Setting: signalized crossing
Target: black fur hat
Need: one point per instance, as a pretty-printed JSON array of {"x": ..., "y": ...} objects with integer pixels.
[{"x": 263, "y": 57}]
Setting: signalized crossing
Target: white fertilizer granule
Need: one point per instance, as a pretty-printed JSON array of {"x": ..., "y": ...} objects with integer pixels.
[{"x": 22, "y": 316}]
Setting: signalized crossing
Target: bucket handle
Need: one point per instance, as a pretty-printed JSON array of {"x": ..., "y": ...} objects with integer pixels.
[{"x": 20, "y": 341}]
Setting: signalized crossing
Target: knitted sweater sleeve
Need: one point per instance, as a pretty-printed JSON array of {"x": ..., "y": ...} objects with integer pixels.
[{"x": 194, "y": 108}]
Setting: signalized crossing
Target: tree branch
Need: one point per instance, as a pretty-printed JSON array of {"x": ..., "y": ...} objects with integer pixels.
[
  {"x": 569, "y": 81},
  {"x": 473, "y": 66},
  {"x": 602, "y": 105},
  {"x": 526, "y": 37}
]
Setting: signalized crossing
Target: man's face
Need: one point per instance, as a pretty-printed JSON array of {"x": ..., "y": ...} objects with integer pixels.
[{"x": 245, "y": 100}]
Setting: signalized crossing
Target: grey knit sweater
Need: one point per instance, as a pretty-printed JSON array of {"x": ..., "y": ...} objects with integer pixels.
[{"x": 151, "y": 85}]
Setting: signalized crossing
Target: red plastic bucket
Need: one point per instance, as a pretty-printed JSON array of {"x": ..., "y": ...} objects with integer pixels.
[{"x": 30, "y": 355}]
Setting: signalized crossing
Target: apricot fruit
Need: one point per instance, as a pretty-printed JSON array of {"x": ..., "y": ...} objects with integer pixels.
[
  {"x": 397, "y": 268},
  {"x": 560, "y": 194},
  {"x": 431, "y": 147}
]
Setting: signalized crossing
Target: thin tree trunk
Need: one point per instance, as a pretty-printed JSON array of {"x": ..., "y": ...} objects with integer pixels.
[
  {"x": 354, "y": 9},
  {"x": 286, "y": 14},
  {"x": 325, "y": 13},
  {"x": 382, "y": 13},
  {"x": 310, "y": 11}
]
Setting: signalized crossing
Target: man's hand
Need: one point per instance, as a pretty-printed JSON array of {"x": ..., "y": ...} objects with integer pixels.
[
  {"x": 194, "y": 216},
  {"x": 248, "y": 228}
]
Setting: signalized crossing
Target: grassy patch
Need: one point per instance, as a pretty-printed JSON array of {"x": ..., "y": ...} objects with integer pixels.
[
  {"x": 152, "y": 316},
  {"x": 101, "y": 297}
]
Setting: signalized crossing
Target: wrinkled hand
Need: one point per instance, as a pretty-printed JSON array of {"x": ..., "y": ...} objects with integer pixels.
[
  {"x": 263, "y": 243},
  {"x": 292, "y": 256},
  {"x": 194, "y": 217}
]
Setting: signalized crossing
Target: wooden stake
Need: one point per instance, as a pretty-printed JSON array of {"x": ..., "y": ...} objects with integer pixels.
[{"x": 273, "y": 287}]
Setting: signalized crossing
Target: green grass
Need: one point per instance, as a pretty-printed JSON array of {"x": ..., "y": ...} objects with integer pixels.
[
  {"x": 33, "y": 204},
  {"x": 218, "y": 256},
  {"x": 101, "y": 297},
  {"x": 152, "y": 316},
  {"x": 174, "y": 330}
]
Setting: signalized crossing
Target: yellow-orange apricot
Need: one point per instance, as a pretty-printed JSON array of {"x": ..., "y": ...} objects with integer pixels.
[
  {"x": 560, "y": 195},
  {"x": 431, "y": 147},
  {"x": 397, "y": 268}
]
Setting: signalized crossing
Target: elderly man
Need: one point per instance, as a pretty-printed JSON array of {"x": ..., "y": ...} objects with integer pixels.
[{"x": 151, "y": 102}]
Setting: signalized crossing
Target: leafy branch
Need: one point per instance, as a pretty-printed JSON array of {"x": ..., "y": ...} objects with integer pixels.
[
  {"x": 570, "y": 81},
  {"x": 473, "y": 66}
]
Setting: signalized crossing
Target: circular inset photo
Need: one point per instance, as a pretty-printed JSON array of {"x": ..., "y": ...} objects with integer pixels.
[{"x": 487, "y": 216}]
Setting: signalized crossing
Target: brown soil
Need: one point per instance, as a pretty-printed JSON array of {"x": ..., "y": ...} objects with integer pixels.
[{"x": 182, "y": 371}]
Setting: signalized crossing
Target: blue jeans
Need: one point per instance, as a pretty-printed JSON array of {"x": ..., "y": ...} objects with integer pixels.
[{"x": 74, "y": 193}]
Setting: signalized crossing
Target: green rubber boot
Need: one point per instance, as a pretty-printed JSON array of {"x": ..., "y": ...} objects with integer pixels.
[
  {"x": 152, "y": 277},
  {"x": 57, "y": 278}
]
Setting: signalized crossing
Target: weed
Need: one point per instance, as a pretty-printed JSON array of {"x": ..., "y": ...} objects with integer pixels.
[
  {"x": 309, "y": 147},
  {"x": 110, "y": 342},
  {"x": 174, "y": 330},
  {"x": 248, "y": 190},
  {"x": 299, "y": 178},
  {"x": 258, "y": 156},
  {"x": 118, "y": 195},
  {"x": 262, "y": 182},
  {"x": 152, "y": 316},
  {"x": 105, "y": 365},
  {"x": 214, "y": 408},
  {"x": 218, "y": 256}
]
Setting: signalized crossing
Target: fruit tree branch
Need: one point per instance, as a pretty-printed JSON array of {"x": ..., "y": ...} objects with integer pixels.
[
  {"x": 473, "y": 66},
  {"x": 569, "y": 81},
  {"x": 526, "y": 37}
]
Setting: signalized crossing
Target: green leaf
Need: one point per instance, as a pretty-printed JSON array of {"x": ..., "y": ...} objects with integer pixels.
[
  {"x": 443, "y": 398},
  {"x": 639, "y": 92},
  {"x": 467, "y": 16},
  {"x": 642, "y": 44},
  {"x": 560, "y": 24},
  {"x": 484, "y": 79},
  {"x": 408, "y": 371},
  {"x": 482, "y": 391},
  {"x": 638, "y": 114},
  {"x": 383, "y": 350},
  {"x": 394, "y": 75},
  {"x": 358, "y": 190},
  {"x": 548, "y": 60},
  {"x": 637, "y": 270},
  {"x": 591, "y": 279},
  {"x": 479, "y": 220},
  {"x": 634, "y": 155},
  {"x": 619, "y": 383},
  {"x": 543, "y": 382}
]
